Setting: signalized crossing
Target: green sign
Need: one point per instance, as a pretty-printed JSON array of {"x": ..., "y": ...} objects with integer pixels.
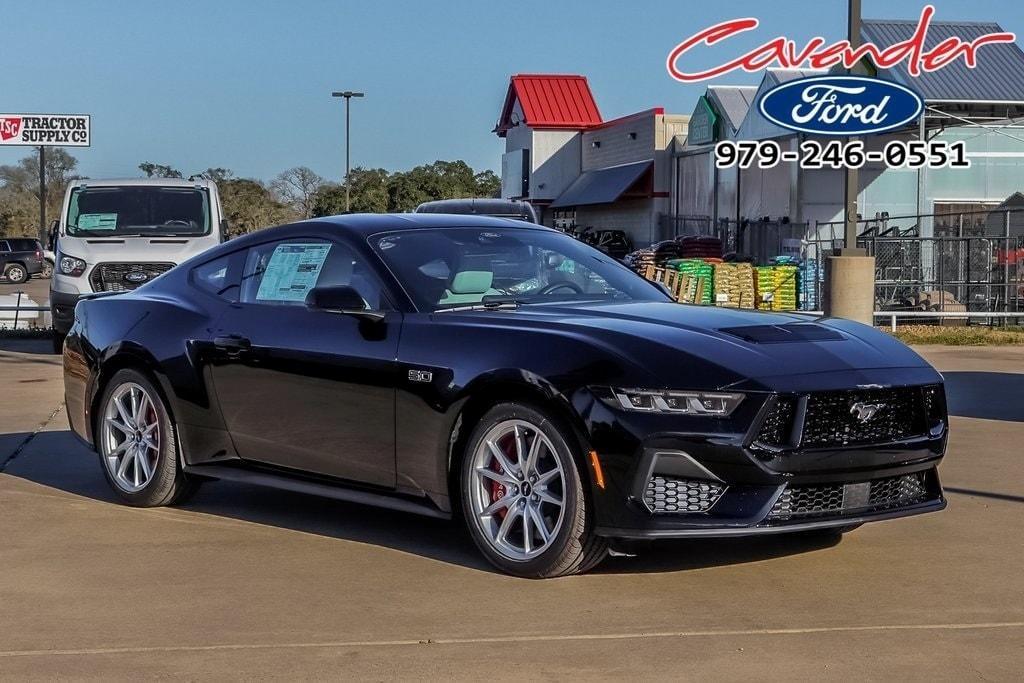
[{"x": 703, "y": 127}]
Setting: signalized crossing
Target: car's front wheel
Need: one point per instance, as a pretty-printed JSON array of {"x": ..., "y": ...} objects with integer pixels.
[
  {"x": 137, "y": 443},
  {"x": 523, "y": 496}
]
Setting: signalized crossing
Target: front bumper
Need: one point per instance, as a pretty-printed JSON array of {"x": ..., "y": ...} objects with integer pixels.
[
  {"x": 715, "y": 481},
  {"x": 62, "y": 310},
  {"x": 669, "y": 497}
]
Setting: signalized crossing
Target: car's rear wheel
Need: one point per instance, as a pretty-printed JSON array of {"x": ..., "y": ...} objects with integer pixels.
[
  {"x": 137, "y": 443},
  {"x": 523, "y": 496},
  {"x": 15, "y": 273},
  {"x": 47, "y": 269}
]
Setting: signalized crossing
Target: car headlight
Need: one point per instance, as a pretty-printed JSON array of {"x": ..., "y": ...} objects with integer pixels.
[
  {"x": 705, "y": 403},
  {"x": 69, "y": 265}
]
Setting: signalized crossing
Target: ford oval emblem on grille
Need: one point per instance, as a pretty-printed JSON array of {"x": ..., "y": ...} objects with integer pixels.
[{"x": 135, "y": 276}]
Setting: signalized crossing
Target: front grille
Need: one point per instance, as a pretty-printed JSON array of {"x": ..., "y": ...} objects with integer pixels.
[
  {"x": 836, "y": 500},
  {"x": 666, "y": 494},
  {"x": 115, "y": 277},
  {"x": 833, "y": 419}
]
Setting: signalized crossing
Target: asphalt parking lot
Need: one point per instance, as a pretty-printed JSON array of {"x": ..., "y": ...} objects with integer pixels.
[{"x": 245, "y": 582}]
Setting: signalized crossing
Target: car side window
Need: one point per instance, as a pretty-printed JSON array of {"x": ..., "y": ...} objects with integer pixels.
[{"x": 283, "y": 272}]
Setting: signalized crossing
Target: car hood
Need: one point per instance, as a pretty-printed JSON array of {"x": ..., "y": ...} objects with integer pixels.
[
  {"x": 136, "y": 249},
  {"x": 703, "y": 347}
]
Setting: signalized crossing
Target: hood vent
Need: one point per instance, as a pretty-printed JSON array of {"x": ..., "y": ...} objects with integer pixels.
[{"x": 777, "y": 334}]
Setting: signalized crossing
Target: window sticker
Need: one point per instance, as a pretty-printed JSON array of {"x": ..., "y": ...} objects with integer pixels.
[
  {"x": 292, "y": 271},
  {"x": 97, "y": 221}
]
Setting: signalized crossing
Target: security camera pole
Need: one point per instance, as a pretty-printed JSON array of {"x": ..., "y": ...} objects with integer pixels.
[
  {"x": 850, "y": 274},
  {"x": 348, "y": 95}
]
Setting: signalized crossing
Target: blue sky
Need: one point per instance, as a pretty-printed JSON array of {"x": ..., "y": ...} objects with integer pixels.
[{"x": 246, "y": 84}]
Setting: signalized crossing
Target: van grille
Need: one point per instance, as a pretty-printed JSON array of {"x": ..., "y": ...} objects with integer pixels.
[{"x": 119, "y": 277}]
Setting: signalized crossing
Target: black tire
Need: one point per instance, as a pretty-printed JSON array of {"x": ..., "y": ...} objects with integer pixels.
[
  {"x": 574, "y": 548},
  {"x": 47, "y": 269},
  {"x": 168, "y": 484},
  {"x": 58, "y": 342},
  {"x": 16, "y": 273}
]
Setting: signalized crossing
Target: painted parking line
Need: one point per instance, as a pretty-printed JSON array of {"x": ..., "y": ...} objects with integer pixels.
[{"x": 511, "y": 639}]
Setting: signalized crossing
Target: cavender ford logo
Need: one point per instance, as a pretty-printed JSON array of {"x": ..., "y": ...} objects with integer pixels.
[
  {"x": 841, "y": 105},
  {"x": 818, "y": 54},
  {"x": 865, "y": 412}
]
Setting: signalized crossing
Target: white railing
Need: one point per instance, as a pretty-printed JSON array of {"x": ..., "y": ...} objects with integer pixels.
[
  {"x": 18, "y": 308},
  {"x": 984, "y": 315}
]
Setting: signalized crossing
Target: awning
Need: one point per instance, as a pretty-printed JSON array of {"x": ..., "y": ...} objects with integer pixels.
[{"x": 603, "y": 186}]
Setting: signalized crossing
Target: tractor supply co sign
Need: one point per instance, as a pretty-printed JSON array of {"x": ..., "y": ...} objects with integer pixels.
[{"x": 45, "y": 130}]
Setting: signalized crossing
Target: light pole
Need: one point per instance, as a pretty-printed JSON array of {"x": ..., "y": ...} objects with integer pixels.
[{"x": 348, "y": 95}]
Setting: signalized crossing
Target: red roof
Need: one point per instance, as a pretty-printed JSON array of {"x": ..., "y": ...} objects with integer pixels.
[{"x": 549, "y": 101}]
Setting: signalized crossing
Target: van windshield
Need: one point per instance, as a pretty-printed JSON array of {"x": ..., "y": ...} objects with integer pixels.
[{"x": 138, "y": 210}]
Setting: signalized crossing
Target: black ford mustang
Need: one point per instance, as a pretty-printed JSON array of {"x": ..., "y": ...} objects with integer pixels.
[{"x": 473, "y": 366}]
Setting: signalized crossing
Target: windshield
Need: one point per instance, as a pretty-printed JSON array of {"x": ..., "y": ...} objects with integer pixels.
[
  {"x": 138, "y": 210},
  {"x": 453, "y": 267}
]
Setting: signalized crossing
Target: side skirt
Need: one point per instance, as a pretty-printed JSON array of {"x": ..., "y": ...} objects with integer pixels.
[{"x": 337, "y": 492}]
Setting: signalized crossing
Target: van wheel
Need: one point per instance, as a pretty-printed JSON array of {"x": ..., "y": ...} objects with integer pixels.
[{"x": 15, "y": 273}]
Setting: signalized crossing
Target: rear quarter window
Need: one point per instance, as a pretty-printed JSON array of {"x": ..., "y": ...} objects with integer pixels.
[{"x": 219, "y": 277}]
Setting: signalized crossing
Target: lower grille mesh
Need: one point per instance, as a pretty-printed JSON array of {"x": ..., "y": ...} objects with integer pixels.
[
  {"x": 832, "y": 500},
  {"x": 665, "y": 494}
]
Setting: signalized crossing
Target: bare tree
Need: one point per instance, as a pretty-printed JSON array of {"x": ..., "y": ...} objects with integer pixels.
[{"x": 297, "y": 187}]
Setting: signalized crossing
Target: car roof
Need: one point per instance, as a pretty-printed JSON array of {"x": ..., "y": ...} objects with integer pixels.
[
  {"x": 372, "y": 223},
  {"x": 362, "y": 225},
  {"x": 152, "y": 182}
]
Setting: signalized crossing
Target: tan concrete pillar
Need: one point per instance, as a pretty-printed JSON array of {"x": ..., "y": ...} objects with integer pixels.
[{"x": 850, "y": 288}]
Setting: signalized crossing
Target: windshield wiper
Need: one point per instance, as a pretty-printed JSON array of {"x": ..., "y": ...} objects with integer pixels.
[{"x": 485, "y": 306}]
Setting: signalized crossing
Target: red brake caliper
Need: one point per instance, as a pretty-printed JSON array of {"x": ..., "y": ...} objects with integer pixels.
[{"x": 498, "y": 489}]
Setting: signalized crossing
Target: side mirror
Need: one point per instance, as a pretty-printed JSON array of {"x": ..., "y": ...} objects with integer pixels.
[
  {"x": 224, "y": 230},
  {"x": 343, "y": 300}
]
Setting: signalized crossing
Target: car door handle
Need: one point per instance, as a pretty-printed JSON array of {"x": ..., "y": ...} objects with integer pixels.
[{"x": 232, "y": 343}]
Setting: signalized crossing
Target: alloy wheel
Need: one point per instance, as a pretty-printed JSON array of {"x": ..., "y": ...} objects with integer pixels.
[
  {"x": 131, "y": 437},
  {"x": 15, "y": 274},
  {"x": 518, "y": 490}
]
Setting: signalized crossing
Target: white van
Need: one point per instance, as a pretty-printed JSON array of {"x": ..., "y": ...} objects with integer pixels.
[{"x": 116, "y": 235}]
